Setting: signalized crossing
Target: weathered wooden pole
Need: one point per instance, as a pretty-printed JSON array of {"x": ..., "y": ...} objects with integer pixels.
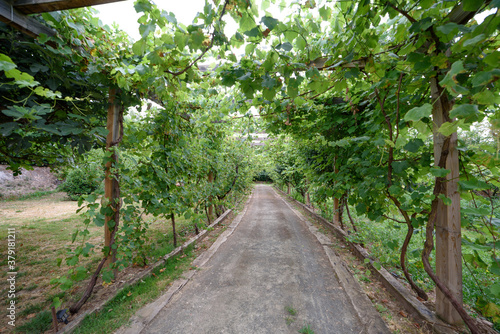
[
  {"x": 448, "y": 228},
  {"x": 210, "y": 198},
  {"x": 336, "y": 216},
  {"x": 308, "y": 196},
  {"x": 111, "y": 186},
  {"x": 336, "y": 211},
  {"x": 172, "y": 216}
]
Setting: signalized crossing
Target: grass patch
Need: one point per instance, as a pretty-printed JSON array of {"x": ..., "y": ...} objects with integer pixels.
[
  {"x": 40, "y": 241},
  {"x": 118, "y": 311},
  {"x": 384, "y": 312},
  {"x": 33, "y": 195},
  {"x": 292, "y": 315},
  {"x": 39, "y": 324},
  {"x": 30, "y": 309},
  {"x": 291, "y": 310}
]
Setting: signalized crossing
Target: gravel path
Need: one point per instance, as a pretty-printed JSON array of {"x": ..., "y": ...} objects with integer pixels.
[{"x": 270, "y": 276}]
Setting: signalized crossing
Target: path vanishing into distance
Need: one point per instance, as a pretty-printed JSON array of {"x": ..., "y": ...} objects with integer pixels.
[{"x": 270, "y": 275}]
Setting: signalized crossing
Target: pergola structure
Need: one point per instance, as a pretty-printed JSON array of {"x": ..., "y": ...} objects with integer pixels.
[{"x": 15, "y": 12}]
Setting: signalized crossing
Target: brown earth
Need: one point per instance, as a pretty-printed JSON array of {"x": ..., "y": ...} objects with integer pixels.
[{"x": 30, "y": 181}]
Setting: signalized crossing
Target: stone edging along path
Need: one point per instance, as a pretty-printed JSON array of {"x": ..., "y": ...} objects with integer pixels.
[
  {"x": 410, "y": 303},
  {"x": 79, "y": 318}
]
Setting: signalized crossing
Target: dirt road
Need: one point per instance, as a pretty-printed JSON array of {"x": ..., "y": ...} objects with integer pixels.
[{"x": 271, "y": 276}]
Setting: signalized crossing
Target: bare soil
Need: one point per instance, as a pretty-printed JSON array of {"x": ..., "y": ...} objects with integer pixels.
[{"x": 30, "y": 181}]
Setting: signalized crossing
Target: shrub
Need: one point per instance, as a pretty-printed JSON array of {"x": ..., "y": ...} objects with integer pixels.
[{"x": 80, "y": 182}]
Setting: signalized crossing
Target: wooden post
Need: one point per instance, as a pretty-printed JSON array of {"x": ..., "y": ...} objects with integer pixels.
[
  {"x": 111, "y": 184},
  {"x": 307, "y": 197},
  {"x": 336, "y": 217},
  {"x": 210, "y": 198},
  {"x": 336, "y": 211},
  {"x": 172, "y": 216},
  {"x": 448, "y": 229},
  {"x": 54, "y": 319}
]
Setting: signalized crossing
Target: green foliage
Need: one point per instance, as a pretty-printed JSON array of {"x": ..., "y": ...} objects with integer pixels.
[
  {"x": 36, "y": 194},
  {"x": 306, "y": 329},
  {"x": 85, "y": 177},
  {"x": 262, "y": 176},
  {"x": 52, "y": 99},
  {"x": 292, "y": 311},
  {"x": 78, "y": 183}
]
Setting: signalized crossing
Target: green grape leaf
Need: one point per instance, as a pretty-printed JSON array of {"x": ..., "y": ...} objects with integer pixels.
[
  {"x": 413, "y": 145},
  {"x": 474, "y": 185},
  {"x": 417, "y": 113},
  {"x": 450, "y": 80},
  {"x": 448, "y": 128},
  {"x": 269, "y": 22},
  {"x": 464, "y": 111},
  {"x": 484, "y": 78},
  {"x": 439, "y": 172}
]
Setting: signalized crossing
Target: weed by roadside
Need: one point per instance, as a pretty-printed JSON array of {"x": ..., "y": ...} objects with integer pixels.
[
  {"x": 306, "y": 329},
  {"x": 291, "y": 310},
  {"x": 291, "y": 317}
]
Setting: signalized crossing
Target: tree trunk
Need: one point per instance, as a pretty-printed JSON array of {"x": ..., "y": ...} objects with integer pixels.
[
  {"x": 349, "y": 215},
  {"x": 402, "y": 261},
  {"x": 341, "y": 212},
  {"x": 207, "y": 213},
  {"x": 336, "y": 216},
  {"x": 475, "y": 326}
]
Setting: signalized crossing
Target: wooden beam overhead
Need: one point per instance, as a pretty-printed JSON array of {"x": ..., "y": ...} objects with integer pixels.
[
  {"x": 42, "y": 6},
  {"x": 14, "y": 13},
  {"x": 21, "y": 22}
]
